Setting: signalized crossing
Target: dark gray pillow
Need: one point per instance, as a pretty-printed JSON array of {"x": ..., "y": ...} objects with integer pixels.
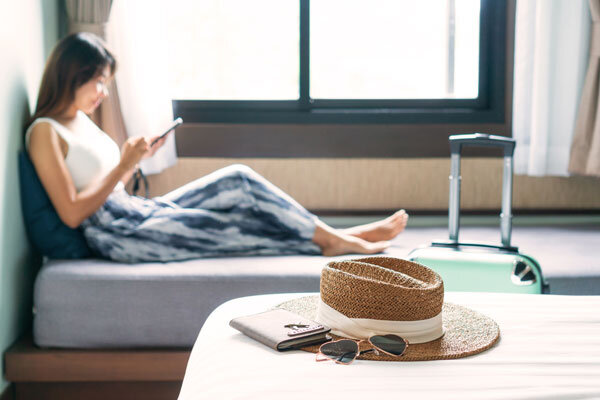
[{"x": 48, "y": 234}]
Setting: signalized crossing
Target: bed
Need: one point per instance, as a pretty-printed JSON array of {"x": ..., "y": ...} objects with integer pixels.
[{"x": 549, "y": 348}]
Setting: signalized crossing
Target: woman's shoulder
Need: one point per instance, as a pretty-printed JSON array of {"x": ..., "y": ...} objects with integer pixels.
[
  {"x": 41, "y": 126},
  {"x": 43, "y": 129},
  {"x": 41, "y": 121},
  {"x": 44, "y": 124}
]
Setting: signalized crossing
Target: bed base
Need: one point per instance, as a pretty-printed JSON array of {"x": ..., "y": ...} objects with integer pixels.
[{"x": 36, "y": 373}]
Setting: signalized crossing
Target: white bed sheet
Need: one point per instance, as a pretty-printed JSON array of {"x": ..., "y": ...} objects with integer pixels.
[{"x": 549, "y": 348}]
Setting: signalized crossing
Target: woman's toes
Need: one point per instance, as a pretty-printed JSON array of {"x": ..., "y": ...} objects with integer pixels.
[
  {"x": 400, "y": 213},
  {"x": 404, "y": 219},
  {"x": 400, "y": 224},
  {"x": 399, "y": 216}
]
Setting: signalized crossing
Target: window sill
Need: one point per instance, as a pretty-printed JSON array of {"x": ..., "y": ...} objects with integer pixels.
[{"x": 193, "y": 114}]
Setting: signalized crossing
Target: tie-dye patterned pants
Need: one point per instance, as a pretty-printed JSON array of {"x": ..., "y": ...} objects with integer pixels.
[{"x": 232, "y": 212}]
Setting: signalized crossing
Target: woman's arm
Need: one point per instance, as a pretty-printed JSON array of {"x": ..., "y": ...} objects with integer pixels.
[
  {"x": 127, "y": 176},
  {"x": 48, "y": 158}
]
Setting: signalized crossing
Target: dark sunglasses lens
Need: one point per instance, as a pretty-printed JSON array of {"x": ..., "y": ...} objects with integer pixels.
[
  {"x": 389, "y": 343},
  {"x": 343, "y": 351}
]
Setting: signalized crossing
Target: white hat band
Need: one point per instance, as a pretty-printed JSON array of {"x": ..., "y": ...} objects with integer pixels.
[{"x": 414, "y": 332}]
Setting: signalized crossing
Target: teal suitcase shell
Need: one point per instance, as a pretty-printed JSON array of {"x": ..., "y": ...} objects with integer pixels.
[
  {"x": 477, "y": 267},
  {"x": 474, "y": 268}
]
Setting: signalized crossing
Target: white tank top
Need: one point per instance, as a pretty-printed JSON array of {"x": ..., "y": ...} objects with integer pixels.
[{"x": 92, "y": 153}]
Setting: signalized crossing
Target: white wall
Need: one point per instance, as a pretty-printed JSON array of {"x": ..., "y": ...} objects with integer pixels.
[{"x": 28, "y": 30}]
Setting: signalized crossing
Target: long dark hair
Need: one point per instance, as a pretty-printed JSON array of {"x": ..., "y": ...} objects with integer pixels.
[{"x": 74, "y": 61}]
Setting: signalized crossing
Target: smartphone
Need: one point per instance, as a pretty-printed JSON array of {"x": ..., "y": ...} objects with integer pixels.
[{"x": 175, "y": 124}]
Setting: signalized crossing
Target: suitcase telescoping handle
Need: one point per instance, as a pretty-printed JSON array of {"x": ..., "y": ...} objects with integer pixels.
[{"x": 481, "y": 139}]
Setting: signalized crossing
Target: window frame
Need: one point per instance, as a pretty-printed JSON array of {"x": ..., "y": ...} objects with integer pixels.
[{"x": 488, "y": 107}]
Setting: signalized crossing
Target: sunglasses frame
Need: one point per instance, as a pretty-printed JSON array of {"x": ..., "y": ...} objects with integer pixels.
[{"x": 357, "y": 353}]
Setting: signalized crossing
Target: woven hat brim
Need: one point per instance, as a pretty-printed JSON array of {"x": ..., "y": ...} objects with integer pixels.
[{"x": 466, "y": 332}]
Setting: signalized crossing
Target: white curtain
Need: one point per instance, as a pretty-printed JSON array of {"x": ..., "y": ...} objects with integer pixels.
[
  {"x": 551, "y": 54},
  {"x": 135, "y": 32}
]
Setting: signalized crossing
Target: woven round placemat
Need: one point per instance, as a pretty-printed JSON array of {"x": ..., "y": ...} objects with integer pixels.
[{"x": 467, "y": 332}]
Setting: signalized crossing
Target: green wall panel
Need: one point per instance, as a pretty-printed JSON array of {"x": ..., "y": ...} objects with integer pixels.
[{"x": 28, "y": 31}]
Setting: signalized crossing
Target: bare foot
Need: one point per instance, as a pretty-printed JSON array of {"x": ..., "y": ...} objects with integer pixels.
[
  {"x": 353, "y": 245},
  {"x": 334, "y": 243},
  {"x": 385, "y": 229}
]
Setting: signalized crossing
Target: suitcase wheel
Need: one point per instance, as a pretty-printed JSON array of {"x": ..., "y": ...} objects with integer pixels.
[{"x": 523, "y": 274}]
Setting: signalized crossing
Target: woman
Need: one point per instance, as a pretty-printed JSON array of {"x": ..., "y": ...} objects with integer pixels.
[{"x": 233, "y": 211}]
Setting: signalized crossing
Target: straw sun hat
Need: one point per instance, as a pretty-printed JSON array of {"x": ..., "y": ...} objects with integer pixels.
[{"x": 382, "y": 295}]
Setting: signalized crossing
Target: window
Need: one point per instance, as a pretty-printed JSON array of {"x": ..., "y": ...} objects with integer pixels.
[
  {"x": 338, "y": 61},
  {"x": 396, "y": 49},
  {"x": 234, "y": 49}
]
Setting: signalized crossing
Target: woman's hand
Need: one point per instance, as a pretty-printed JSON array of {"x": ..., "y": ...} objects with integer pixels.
[
  {"x": 133, "y": 150},
  {"x": 154, "y": 147}
]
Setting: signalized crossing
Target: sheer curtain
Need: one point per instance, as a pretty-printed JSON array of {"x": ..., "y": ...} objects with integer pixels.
[
  {"x": 136, "y": 34},
  {"x": 551, "y": 48}
]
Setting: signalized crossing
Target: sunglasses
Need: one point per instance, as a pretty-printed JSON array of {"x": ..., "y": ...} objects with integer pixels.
[{"x": 344, "y": 351}]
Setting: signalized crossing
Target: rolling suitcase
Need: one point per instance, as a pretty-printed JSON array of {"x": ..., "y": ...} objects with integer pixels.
[{"x": 477, "y": 267}]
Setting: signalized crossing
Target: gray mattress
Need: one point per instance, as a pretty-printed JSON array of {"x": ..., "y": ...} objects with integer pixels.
[{"x": 100, "y": 304}]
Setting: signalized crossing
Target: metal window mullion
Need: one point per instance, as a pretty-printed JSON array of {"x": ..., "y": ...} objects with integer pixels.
[
  {"x": 489, "y": 14},
  {"x": 451, "y": 61},
  {"x": 305, "y": 102}
]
